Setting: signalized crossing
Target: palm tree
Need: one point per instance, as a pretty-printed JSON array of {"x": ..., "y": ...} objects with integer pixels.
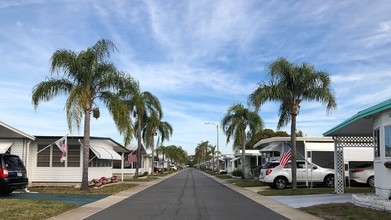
[
  {"x": 141, "y": 105},
  {"x": 153, "y": 127},
  {"x": 171, "y": 153},
  {"x": 235, "y": 123},
  {"x": 162, "y": 151},
  {"x": 202, "y": 154},
  {"x": 290, "y": 85},
  {"x": 89, "y": 79},
  {"x": 213, "y": 153}
]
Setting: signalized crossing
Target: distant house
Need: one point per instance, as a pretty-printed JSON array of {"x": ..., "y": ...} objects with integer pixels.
[
  {"x": 42, "y": 157},
  {"x": 228, "y": 163},
  {"x": 127, "y": 168},
  {"x": 369, "y": 127},
  {"x": 252, "y": 158}
]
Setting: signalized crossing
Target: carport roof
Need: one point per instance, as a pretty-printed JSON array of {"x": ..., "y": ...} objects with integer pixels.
[
  {"x": 7, "y": 131},
  {"x": 360, "y": 124}
]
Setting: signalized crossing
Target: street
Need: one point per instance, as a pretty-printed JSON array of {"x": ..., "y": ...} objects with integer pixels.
[{"x": 188, "y": 195}]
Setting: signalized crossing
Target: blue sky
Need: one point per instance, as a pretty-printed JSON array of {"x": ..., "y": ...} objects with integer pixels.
[{"x": 198, "y": 57}]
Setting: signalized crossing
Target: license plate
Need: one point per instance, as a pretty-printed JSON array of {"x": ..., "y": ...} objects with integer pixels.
[{"x": 19, "y": 174}]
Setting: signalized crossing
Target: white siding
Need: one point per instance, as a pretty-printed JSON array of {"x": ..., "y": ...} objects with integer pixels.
[
  {"x": 382, "y": 174},
  {"x": 98, "y": 172},
  {"x": 62, "y": 174},
  {"x": 18, "y": 148},
  {"x": 56, "y": 174}
]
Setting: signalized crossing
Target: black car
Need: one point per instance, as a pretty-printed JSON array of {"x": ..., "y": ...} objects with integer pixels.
[{"x": 13, "y": 174}]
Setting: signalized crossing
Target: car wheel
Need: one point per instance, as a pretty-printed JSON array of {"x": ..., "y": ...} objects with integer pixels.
[
  {"x": 329, "y": 181},
  {"x": 6, "y": 192},
  {"x": 371, "y": 181},
  {"x": 272, "y": 186},
  {"x": 280, "y": 182}
]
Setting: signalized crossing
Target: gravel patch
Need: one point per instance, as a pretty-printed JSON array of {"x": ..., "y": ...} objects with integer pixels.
[{"x": 372, "y": 201}]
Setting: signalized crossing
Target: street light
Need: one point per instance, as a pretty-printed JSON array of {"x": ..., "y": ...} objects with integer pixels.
[{"x": 217, "y": 143}]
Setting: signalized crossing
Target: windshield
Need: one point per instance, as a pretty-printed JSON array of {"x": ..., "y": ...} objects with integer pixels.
[
  {"x": 13, "y": 163},
  {"x": 269, "y": 165}
]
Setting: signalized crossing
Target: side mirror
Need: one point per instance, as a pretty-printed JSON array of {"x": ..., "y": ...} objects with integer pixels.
[{"x": 314, "y": 167}]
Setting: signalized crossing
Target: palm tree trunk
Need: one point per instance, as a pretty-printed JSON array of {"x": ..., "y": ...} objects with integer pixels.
[
  {"x": 243, "y": 152},
  {"x": 153, "y": 159},
  {"x": 86, "y": 151},
  {"x": 153, "y": 154},
  {"x": 293, "y": 153},
  {"x": 138, "y": 163}
]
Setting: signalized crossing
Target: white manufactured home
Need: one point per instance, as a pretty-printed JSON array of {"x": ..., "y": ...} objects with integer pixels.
[
  {"x": 44, "y": 166},
  {"x": 369, "y": 127}
]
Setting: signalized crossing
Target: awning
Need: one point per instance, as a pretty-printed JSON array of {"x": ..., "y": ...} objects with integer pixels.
[
  {"x": 360, "y": 124},
  {"x": 105, "y": 153},
  {"x": 271, "y": 147},
  {"x": 319, "y": 146},
  {"x": 4, "y": 146}
]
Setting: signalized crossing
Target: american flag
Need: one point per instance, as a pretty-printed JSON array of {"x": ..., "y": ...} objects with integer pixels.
[
  {"x": 132, "y": 158},
  {"x": 286, "y": 155}
]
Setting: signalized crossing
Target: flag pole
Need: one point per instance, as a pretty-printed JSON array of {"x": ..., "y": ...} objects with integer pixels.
[{"x": 45, "y": 148}]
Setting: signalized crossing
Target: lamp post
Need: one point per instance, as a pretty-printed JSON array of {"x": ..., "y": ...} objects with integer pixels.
[{"x": 217, "y": 143}]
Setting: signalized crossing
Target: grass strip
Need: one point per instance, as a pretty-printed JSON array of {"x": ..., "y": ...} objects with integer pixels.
[
  {"x": 31, "y": 209},
  {"x": 108, "y": 189}
]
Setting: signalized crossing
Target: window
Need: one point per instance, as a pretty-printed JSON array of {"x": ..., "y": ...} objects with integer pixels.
[
  {"x": 387, "y": 134},
  {"x": 43, "y": 157},
  {"x": 73, "y": 156},
  {"x": 376, "y": 139},
  {"x": 49, "y": 156},
  {"x": 300, "y": 165},
  {"x": 56, "y": 156}
]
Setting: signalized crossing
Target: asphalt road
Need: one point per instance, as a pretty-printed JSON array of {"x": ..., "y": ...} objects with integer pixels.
[{"x": 187, "y": 195}]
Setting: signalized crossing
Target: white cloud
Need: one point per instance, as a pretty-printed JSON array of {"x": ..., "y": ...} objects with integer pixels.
[{"x": 198, "y": 57}]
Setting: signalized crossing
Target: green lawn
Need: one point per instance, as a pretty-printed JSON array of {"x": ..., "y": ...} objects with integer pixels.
[
  {"x": 108, "y": 189},
  {"x": 37, "y": 210},
  {"x": 308, "y": 191},
  {"x": 31, "y": 209},
  {"x": 246, "y": 182}
]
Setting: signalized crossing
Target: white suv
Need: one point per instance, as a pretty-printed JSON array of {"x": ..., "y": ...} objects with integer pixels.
[{"x": 278, "y": 177}]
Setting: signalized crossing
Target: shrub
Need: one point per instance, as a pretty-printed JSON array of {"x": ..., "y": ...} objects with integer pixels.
[
  {"x": 237, "y": 173},
  {"x": 145, "y": 173}
]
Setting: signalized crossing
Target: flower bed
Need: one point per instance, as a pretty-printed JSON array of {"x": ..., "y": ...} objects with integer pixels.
[{"x": 102, "y": 181}]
